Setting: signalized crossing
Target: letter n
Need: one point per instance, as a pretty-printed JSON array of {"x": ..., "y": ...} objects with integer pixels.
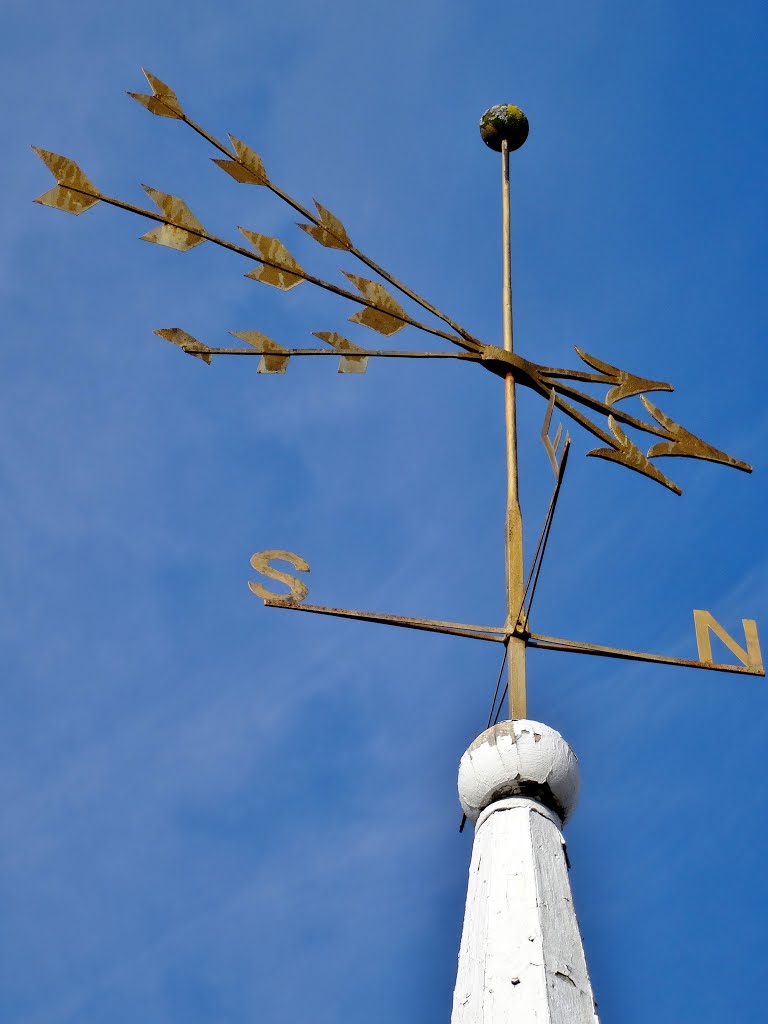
[{"x": 751, "y": 658}]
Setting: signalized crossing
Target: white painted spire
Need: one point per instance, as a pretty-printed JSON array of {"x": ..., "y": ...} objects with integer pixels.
[{"x": 521, "y": 959}]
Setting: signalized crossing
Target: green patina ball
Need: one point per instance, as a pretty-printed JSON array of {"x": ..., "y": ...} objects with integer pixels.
[{"x": 504, "y": 121}]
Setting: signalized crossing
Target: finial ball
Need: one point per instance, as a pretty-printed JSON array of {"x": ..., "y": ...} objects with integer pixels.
[
  {"x": 520, "y": 758},
  {"x": 504, "y": 122}
]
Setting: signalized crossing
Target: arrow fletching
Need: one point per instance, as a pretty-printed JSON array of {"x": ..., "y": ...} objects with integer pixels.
[
  {"x": 73, "y": 192},
  {"x": 686, "y": 444},
  {"x": 248, "y": 168},
  {"x": 186, "y": 230},
  {"x": 185, "y": 342},
  {"x": 162, "y": 102},
  {"x": 280, "y": 268},
  {"x": 330, "y": 232},
  {"x": 626, "y": 453},
  {"x": 274, "y": 358},
  {"x": 387, "y": 318},
  {"x": 353, "y": 358}
]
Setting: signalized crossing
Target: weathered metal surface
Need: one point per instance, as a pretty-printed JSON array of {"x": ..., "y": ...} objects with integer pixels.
[
  {"x": 625, "y": 384},
  {"x": 178, "y": 228},
  {"x": 186, "y": 342},
  {"x": 183, "y": 230},
  {"x": 626, "y": 453},
  {"x": 385, "y": 315},
  {"x": 73, "y": 192},
  {"x": 353, "y": 360},
  {"x": 330, "y": 232},
  {"x": 554, "y": 643},
  {"x": 261, "y": 562},
  {"x": 163, "y": 100},
  {"x": 495, "y": 634},
  {"x": 279, "y": 269},
  {"x": 550, "y": 445},
  {"x": 247, "y": 168},
  {"x": 274, "y": 358},
  {"x": 685, "y": 444},
  {"x": 513, "y": 533},
  {"x": 750, "y": 658}
]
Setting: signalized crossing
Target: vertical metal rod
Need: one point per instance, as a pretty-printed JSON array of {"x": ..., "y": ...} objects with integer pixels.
[{"x": 514, "y": 519}]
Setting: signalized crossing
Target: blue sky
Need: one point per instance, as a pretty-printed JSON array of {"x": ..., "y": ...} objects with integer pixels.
[{"x": 216, "y": 813}]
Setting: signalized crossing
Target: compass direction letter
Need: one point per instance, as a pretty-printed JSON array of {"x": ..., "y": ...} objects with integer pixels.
[
  {"x": 750, "y": 658},
  {"x": 298, "y": 590}
]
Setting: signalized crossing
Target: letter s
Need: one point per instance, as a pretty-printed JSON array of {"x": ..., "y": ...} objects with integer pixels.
[{"x": 260, "y": 562}]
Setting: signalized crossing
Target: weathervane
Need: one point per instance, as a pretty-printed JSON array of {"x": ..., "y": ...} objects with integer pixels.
[{"x": 504, "y": 129}]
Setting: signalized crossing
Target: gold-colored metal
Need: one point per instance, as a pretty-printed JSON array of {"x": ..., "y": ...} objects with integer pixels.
[
  {"x": 553, "y": 643},
  {"x": 491, "y": 633},
  {"x": 552, "y": 446},
  {"x": 330, "y": 232},
  {"x": 686, "y": 444},
  {"x": 166, "y": 104},
  {"x": 534, "y": 572},
  {"x": 178, "y": 228},
  {"x": 73, "y": 192},
  {"x": 625, "y": 384},
  {"x": 279, "y": 268},
  {"x": 278, "y": 258},
  {"x": 626, "y": 453},
  {"x": 751, "y": 658},
  {"x": 163, "y": 100},
  {"x": 274, "y": 358},
  {"x": 516, "y": 668},
  {"x": 261, "y": 563},
  {"x": 181, "y": 230},
  {"x": 186, "y": 343},
  {"x": 354, "y": 359},
  {"x": 258, "y": 347},
  {"x": 384, "y": 315},
  {"x": 247, "y": 168}
]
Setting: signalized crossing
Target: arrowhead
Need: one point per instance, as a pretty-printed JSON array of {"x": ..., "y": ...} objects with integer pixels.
[{"x": 626, "y": 453}]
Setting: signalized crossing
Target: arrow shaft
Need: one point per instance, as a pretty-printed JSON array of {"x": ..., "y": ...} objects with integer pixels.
[
  {"x": 465, "y": 340},
  {"x": 297, "y": 272},
  {"x": 374, "y": 353},
  {"x": 610, "y": 410}
]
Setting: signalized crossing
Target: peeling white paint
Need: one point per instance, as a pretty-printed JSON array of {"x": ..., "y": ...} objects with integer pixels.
[
  {"x": 521, "y": 959},
  {"x": 505, "y": 759}
]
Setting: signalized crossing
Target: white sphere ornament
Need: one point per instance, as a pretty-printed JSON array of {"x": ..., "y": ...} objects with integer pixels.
[{"x": 521, "y": 758}]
